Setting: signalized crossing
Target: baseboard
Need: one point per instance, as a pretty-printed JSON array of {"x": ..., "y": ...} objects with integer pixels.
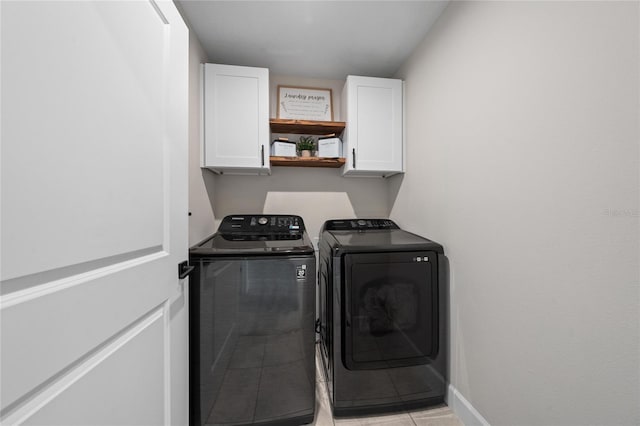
[{"x": 463, "y": 409}]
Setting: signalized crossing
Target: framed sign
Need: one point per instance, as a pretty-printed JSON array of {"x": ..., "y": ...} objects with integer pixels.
[{"x": 305, "y": 103}]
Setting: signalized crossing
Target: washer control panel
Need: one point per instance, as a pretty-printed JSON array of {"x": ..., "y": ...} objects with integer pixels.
[
  {"x": 262, "y": 224},
  {"x": 359, "y": 224}
]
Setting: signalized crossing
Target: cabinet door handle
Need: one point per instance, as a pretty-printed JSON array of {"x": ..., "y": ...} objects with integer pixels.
[
  {"x": 262, "y": 154},
  {"x": 354, "y": 158}
]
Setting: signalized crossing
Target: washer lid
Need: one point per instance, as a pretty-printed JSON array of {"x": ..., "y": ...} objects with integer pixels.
[
  {"x": 219, "y": 245},
  {"x": 256, "y": 235}
]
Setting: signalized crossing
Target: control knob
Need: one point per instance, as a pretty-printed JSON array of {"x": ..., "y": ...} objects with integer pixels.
[{"x": 263, "y": 221}]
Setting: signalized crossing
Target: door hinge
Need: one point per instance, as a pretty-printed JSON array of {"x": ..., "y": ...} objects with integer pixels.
[{"x": 184, "y": 269}]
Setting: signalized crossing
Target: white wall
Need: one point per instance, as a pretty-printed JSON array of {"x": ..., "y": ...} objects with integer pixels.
[
  {"x": 523, "y": 161},
  {"x": 316, "y": 194},
  {"x": 201, "y": 182}
]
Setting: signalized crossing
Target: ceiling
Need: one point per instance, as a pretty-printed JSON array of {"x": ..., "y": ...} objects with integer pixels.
[{"x": 314, "y": 39}]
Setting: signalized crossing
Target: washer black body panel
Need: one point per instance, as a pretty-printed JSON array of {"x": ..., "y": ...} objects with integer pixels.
[
  {"x": 382, "y": 317},
  {"x": 252, "y": 328}
]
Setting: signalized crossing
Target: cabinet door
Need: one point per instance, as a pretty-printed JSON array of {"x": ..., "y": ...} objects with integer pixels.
[
  {"x": 373, "y": 136},
  {"x": 236, "y": 119}
]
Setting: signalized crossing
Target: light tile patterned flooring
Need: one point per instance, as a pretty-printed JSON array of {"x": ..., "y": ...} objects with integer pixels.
[{"x": 436, "y": 416}]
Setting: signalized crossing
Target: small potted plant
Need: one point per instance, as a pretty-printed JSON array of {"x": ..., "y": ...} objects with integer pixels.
[{"x": 306, "y": 145}]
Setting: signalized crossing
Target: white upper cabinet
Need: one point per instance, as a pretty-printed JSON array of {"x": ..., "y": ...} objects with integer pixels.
[
  {"x": 373, "y": 138},
  {"x": 235, "y": 119}
]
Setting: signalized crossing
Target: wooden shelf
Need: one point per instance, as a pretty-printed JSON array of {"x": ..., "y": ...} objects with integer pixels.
[
  {"x": 307, "y": 162},
  {"x": 306, "y": 127}
]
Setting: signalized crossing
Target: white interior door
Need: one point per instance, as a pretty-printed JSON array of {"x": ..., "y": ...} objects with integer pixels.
[{"x": 94, "y": 112}]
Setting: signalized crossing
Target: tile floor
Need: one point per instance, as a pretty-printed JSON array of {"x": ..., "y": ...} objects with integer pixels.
[{"x": 435, "y": 416}]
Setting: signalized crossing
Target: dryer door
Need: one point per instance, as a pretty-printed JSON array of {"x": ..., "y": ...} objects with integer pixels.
[{"x": 390, "y": 311}]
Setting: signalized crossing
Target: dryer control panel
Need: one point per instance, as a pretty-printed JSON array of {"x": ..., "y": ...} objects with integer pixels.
[{"x": 359, "y": 224}]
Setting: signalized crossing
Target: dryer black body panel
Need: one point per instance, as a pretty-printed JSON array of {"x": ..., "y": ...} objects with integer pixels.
[{"x": 383, "y": 310}]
